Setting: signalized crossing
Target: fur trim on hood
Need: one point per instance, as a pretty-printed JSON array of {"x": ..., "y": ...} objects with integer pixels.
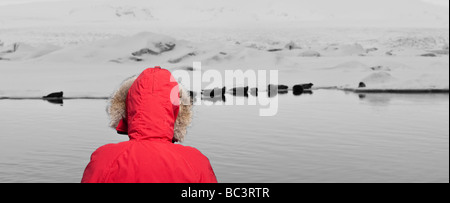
[{"x": 117, "y": 109}]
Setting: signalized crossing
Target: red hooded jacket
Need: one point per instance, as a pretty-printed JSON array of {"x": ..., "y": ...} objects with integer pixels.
[{"x": 149, "y": 156}]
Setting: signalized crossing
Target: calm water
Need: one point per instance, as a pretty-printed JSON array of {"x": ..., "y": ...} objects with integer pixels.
[{"x": 329, "y": 136}]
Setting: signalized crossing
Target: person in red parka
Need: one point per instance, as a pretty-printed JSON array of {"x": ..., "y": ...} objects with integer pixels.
[{"x": 148, "y": 110}]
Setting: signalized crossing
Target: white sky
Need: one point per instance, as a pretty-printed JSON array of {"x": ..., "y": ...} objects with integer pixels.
[
  {"x": 437, "y": 2},
  {"x": 7, "y": 2}
]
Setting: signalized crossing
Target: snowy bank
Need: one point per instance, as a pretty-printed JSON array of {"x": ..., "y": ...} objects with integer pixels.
[{"x": 94, "y": 69}]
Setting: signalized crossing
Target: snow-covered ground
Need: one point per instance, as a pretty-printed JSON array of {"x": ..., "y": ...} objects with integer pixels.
[{"x": 88, "y": 48}]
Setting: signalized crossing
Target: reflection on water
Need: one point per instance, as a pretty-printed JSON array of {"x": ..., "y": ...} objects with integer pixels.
[
  {"x": 328, "y": 136},
  {"x": 384, "y": 99},
  {"x": 56, "y": 101}
]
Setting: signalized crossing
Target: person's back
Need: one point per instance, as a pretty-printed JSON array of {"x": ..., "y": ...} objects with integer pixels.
[{"x": 153, "y": 119}]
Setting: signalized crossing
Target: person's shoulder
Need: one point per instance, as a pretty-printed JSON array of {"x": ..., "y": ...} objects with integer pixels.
[
  {"x": 189, "y": 150},
  {"x": 193, "y": 154},
  {"x": 110, "y": 149}
]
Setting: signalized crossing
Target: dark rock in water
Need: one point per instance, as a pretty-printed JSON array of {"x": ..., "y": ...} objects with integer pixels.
[
  {"x": 304, "y": 86},
  {"x": 274, "y": 50},
  {"x": 277, "y": 87},
  {"x": 271, "y": 94},
  {"x": 273, "y": 90},
  {"x": 307, "y": 86},
  {"x": 212, "y": 93},
  {"x": 298, "y": 89},
  {"x": 59, "y": 101},
  {"x": 283, "y": 91},
  {"x": 219, "y": 92},
  {"x": 254, "y": 92},
  {"x": 240, "y": 91},
  {"x": 299, "y": 93},
  {"x": 308, "y": 92},
  {"x": 221, "y": 98},
  {"x": 362, "y": 85},
  {"x": 192, "y": 94},
  {"x": 429, "y": 55},
  {"x": 55, "y": 95}
]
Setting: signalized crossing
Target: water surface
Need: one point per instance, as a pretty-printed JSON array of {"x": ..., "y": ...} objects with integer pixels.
[{"x": 329, "y": 136}]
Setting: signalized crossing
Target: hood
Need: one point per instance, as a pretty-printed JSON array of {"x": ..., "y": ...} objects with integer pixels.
[{"x": 148, "y": 107}]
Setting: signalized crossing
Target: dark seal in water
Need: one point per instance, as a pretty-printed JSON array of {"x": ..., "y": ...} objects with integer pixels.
[{"x": 55, "y": 95}]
